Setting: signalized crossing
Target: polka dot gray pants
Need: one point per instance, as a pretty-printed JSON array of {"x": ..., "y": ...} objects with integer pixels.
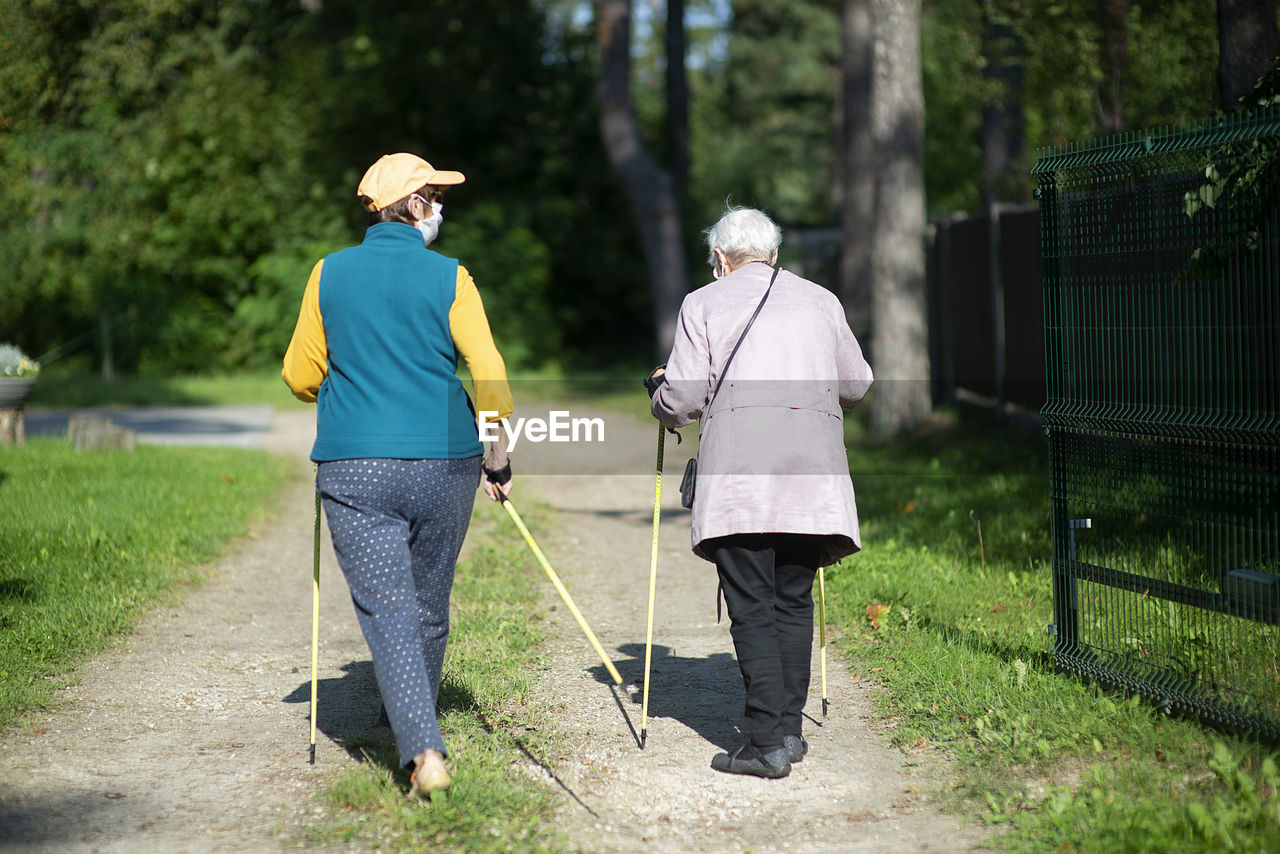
[{"x": 397, "y": 528}]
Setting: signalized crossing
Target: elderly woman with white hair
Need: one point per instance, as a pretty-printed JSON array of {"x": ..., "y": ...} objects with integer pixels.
[{"x": 765, "y": 362}]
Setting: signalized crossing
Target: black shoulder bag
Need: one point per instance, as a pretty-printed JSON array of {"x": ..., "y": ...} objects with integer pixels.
[{"x": 691, "y": 468}]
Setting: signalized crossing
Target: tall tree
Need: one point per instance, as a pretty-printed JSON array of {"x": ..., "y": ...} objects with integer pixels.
[
  {"x": 856, "y": 168},
  {"x": 649, "y": 189},
  {"x": 1113, "y": 21},
  {"x": 899, "y": 309},
  {"x": 677, "y": 95},
  {"x": 1002, "y": 124},
  {"x": 1246, "y": 46}
]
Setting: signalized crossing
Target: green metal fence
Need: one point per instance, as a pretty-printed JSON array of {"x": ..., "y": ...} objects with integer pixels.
[{"x": 1161, "y": 270}]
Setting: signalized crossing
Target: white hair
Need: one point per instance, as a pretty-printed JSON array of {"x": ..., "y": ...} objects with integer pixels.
[{"x": 743, "y": 234}]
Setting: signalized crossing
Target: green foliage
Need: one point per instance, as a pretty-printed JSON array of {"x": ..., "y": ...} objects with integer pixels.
[
  {"x": 947, "y": 607},
  {"x": 89, "y": 541},
  {"x": 762, "y": 120},
  {"x": 149, "y": 176},
  {"x": 1239, "y": 179},
  {"x": 491, "y": 729},
  {"x": 174, "y": 169},
  {"x": 512, "y": 269},
  {"x": 951, "y": 64},
  {"x": 1169, "y": 78}
]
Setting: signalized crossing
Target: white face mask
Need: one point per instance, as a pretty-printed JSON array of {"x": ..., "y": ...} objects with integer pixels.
[{"x": 430, "y": 227}]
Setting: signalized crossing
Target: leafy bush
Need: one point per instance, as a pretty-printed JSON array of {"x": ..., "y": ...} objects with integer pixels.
[{"x": 512, "y": 269}]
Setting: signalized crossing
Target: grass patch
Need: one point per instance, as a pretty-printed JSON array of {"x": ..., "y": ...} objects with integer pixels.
[
  {"x": 76, "y": 390},
  {"x": 493, "y": 734},
  {"x": 67, "y": 389},
  {"x": 88, "y": 542},
  {"x": 948, "y": 608}
]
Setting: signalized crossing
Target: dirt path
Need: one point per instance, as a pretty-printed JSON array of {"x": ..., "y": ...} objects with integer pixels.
[
  {"x": 192, "y": 734},
  {"x": 851, "y": 794}
]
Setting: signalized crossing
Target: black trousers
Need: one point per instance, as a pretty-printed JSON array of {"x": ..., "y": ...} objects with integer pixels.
[{"x": 768, "y": 589}]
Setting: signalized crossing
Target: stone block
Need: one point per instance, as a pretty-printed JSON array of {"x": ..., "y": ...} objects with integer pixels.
[{"x": 94, "y": 433}]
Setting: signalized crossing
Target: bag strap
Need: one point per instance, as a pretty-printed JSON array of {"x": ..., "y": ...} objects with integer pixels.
[{"x": 724, "y": 372}]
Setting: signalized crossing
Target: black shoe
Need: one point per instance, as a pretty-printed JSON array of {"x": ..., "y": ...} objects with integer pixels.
[
  {"x": 796, "y": 747},
  {"x": 748, "y": 760}
]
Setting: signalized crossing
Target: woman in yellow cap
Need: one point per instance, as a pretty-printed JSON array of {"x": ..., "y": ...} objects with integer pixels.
[{"x": 398, "y": 456}]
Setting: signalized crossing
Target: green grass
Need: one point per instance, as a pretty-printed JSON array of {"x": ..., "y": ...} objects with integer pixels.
[
  {"x": 66, "y": 389},
  {"x": 89, "y": 541},
  {"x": 955, "y": 629},
  {"x": 77, "y": 390},
  {"x": 492, "y": 731}
]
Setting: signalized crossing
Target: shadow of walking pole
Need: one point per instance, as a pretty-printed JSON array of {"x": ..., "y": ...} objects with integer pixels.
[{"x": 613, "y": 689}]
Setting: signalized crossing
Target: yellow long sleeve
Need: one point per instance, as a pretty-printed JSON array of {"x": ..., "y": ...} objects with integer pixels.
[
  {"x": 471, "y": 335},
  {"x": 306, "y": 362}
]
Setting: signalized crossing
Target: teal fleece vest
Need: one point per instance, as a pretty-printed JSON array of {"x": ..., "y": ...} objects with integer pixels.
[{"x": 392, "y": 390}]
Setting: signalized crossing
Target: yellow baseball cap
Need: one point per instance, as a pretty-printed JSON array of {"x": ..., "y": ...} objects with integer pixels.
[{"x": 395, "y": 176}]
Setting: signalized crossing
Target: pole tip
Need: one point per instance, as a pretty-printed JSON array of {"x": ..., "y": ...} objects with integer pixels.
[
  {"x": 313, "y": 755},
  {"x": 644, "y": 735},
  {"x": 824, "y": 707}
]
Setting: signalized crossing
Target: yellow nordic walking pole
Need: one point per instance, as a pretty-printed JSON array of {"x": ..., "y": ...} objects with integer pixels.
[
  {"x": 653, "y": 582},
  {"x": 822, "y": 631},
  {"x": 315, "y": 625},
  {"x": 560, "y": 588}
]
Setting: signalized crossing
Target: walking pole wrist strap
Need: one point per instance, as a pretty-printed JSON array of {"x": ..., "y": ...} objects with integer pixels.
[{"x": 499, "y": 476}]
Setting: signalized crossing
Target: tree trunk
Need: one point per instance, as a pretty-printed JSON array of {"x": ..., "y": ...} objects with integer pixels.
[
  {"x": 1247, "y": 46},
  {"x": 108, "y": 349},
  {"x": 677, "y": 95},
  {"x": 649, "y": 190},
  {"x": 1113, "y": 20},
  {"x": 901, "y": 397},
  {"x": 1002, "y": 126},
  {"x": 855, "y": 167}
]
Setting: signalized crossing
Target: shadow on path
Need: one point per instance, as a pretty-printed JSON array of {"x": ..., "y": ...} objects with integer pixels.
[
  {"x": 347, "y": 707},
  {"x": 349, "y": 712},
  {"x": 38, "y": 823},
  {"x": 705, "y": 693}
]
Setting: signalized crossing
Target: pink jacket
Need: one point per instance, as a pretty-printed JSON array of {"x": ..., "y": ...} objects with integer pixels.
[{"x": 771, "y": 452}]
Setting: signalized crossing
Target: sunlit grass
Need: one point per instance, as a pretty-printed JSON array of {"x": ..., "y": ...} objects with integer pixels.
[
  {"x": 89, "y": 541},
  {"x": 948, "y": 607},
  {"x": 497, "y": 741}
]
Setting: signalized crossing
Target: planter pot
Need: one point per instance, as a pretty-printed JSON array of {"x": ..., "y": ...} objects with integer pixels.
[{"x": 14, "y": 391}]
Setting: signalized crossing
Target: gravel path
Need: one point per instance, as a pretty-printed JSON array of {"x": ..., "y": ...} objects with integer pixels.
[
  {"x": 191, "y": 735},
  {"x": 850, "y": 794}
]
